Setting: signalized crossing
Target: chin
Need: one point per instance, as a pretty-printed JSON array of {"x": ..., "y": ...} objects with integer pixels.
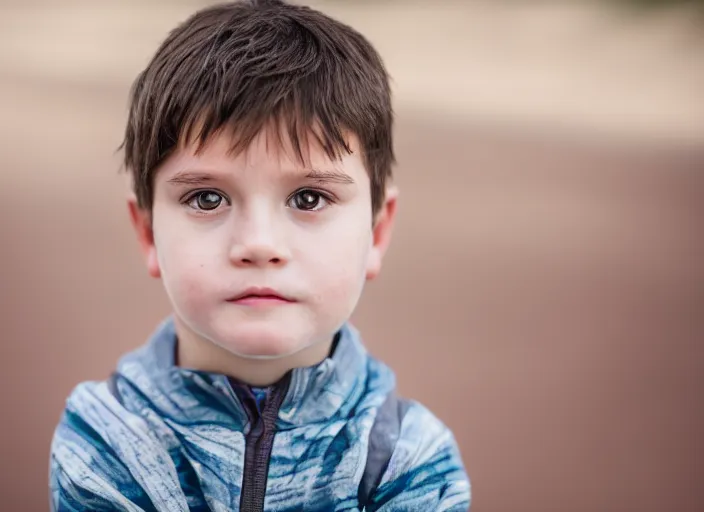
[{"x": 260, "y": 341}]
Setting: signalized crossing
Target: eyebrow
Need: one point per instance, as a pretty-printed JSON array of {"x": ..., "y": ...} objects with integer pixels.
[
  {"x": 329, "y": 176},
  {"x": 319, "y": 175},
  {"x": 191, "y": 178}
]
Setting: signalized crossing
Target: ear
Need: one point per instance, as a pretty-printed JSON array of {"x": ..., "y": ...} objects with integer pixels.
[
  {"x": 142, "y": 223},
  {"x": 383, "y": 226}
]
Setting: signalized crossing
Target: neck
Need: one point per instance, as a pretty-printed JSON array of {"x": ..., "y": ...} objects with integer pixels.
[{"x": 195, "y": 353}]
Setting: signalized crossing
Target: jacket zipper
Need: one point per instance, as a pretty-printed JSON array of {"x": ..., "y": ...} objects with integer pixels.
[{"x": 259, "y": 442}]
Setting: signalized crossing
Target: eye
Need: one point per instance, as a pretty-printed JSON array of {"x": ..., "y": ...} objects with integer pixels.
[
  {"x": 308, "y": 200},
  {"x": 205, "y": 200}
]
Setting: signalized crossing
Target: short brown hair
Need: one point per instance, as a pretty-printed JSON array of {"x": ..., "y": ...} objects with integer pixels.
[{"x": 244, "y": 64}]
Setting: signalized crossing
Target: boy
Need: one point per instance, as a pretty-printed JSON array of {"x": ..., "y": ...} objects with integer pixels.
[{"x": 259, "y": 142}]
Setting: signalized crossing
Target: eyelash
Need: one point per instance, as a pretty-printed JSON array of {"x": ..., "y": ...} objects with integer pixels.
[{"x": 189, "y": 198}]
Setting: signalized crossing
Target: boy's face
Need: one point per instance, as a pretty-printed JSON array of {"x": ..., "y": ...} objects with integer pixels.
[{"x": 258, "y": 254}]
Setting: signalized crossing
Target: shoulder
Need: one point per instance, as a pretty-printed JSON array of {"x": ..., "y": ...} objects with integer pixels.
[
  {"x": 95, "y": 418},
  {"x": 422, "y": 433},
  {"x": 88, "y": 420},
  {"x": 103, "y": 454},
  {"x": 426, "y": 468},
  {"x": 85, "y": 469}
]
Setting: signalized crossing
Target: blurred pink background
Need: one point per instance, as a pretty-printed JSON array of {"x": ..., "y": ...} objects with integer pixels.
[{"x": 544, "y": 293}]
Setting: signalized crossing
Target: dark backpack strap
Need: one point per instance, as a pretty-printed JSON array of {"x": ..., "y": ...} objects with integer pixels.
[
  {"x": 382, "y": 441},
  {"x": 112, "y": 386}
]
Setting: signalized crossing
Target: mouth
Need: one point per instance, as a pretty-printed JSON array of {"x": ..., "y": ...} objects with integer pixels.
[{"x": 260, "y": 296}]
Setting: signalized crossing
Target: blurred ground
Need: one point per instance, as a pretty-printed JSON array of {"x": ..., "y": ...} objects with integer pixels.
[{"x": 546, "y": 279}]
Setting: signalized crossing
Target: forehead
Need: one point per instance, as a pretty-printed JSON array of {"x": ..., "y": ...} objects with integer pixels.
[{"x": 269, "y": 152}]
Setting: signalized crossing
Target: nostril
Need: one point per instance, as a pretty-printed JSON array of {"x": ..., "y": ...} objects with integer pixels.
[{"x": 275, "y": 260}]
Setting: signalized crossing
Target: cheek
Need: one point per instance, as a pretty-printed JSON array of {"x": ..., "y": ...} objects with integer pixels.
[
  {"x": 187, "y": 265},
  {"x": 338, "y": 267}
]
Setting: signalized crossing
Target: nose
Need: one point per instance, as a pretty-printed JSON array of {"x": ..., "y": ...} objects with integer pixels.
[{"x": 258, "y": 241}]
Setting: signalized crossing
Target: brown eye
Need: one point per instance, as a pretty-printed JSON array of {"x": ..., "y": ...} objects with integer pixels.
[
  {"x": 206, "y": 200},
  {"x": 307, "y": 200}
]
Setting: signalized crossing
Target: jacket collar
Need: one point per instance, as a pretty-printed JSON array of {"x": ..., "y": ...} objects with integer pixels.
[{"x": 315, "y": 393}]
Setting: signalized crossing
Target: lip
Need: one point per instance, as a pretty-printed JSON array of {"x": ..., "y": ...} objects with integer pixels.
[{"x": 254, "y": 296}]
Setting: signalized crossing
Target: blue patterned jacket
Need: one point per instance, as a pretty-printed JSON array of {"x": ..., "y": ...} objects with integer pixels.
[{"x": 161, "y": 438}]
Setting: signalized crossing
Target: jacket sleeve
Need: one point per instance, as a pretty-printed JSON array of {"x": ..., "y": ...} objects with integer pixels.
[{"x": 425, "y": 471}]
